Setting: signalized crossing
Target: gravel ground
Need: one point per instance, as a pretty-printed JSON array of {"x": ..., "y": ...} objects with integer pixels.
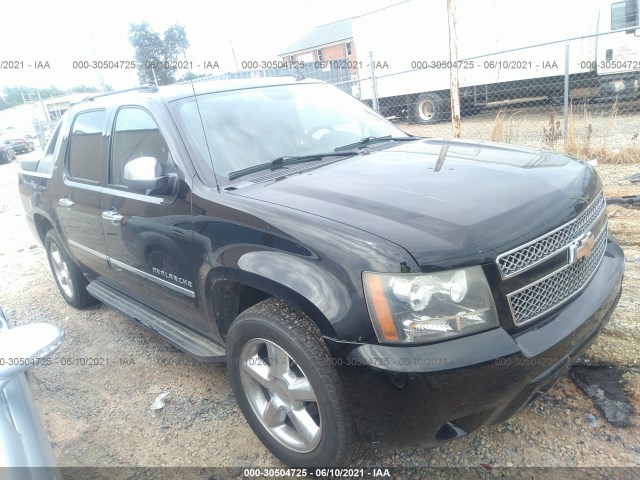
[{"x": 97, "y": 411}]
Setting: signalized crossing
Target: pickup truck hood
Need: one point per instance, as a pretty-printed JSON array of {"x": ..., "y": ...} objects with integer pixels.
[{"x": 443, "y": 200}]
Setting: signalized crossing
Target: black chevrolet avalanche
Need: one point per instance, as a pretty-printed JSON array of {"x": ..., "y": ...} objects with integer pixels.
[{"x": 361, "y": 284}]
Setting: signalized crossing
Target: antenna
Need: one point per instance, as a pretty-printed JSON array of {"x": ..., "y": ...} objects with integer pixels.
[{"x": 206, "y": 140}]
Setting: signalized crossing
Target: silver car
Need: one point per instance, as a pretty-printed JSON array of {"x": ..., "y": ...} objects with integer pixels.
[{"x": 24, "y": 447}]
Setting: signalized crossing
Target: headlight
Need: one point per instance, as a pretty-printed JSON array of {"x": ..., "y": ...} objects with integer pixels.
[{"x": 427, "y": 307}]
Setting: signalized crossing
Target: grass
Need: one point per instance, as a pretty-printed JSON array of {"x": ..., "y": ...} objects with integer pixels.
[
  {"x": 505, "y": 129},
  {"x": 580, "y": 133},
  {"x": 580, "y": 140},
  {"x": 626, "y": 154}
]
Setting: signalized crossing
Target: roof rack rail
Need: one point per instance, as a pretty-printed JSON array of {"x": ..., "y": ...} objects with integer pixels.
[{"x": 139, "y": 88}]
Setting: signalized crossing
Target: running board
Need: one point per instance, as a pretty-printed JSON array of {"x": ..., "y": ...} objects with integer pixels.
[{"x": 185, "y": 339}]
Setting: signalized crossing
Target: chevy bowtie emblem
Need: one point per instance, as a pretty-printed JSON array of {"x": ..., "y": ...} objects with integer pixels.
[{"x": 581, "y": 247}]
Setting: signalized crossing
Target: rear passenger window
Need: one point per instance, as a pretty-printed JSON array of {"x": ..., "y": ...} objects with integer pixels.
[
  {"x": 85, "y": 144},
  {"x": 136, "y": 134}
]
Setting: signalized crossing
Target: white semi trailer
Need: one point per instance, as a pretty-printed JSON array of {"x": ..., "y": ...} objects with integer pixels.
[{"x": 409, "y": 42}]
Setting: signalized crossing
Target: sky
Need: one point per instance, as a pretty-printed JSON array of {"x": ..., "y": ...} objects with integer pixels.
[{"x": 66, "y": 31}]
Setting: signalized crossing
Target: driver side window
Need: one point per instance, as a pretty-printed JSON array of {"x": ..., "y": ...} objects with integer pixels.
[{"x": 135, "y": 135}]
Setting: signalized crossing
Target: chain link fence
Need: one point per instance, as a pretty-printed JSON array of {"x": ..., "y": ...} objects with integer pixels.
[
  {"x": 580, "y": 95},
  {"x": 332, "y": 71},
  {"x": 570, "y": 95}
]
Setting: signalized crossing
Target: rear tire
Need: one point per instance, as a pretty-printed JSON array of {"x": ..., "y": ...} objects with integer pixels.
[
  {"x": 71, "y": 283},
  {"x": 287, "y": 387},
  {"x": 428, "y": 108}
]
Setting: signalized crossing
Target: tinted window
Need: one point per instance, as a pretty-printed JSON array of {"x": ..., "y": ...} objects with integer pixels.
[
  {"x": 136, "y": 135},
  {"x": 85, "y": 144}
]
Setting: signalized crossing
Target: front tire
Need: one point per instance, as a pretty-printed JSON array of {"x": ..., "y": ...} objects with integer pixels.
[
  {"x": 287, "y": 388},
  {"x": 71, "y": 283}
]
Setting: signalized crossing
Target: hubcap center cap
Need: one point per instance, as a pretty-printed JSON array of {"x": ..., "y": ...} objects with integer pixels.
[{"x": 280, "y": 394}]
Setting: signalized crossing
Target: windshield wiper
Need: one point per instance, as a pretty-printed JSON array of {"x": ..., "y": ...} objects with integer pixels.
[
  {"x": 288, "y": 160},
  {"x": 369, "y": 140}
]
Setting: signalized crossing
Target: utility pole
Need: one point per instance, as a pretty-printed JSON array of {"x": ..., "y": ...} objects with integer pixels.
[
  {"x": 55, "y": 110},
  {"x": 455, "y": 83},
  {"x": 155, "y": 79},
  {"x": 565, "y": 109},
  {"x": 44, "y": 109},
  {"x": 233, "y": 52},
  {"x": 374, "y": 88}
]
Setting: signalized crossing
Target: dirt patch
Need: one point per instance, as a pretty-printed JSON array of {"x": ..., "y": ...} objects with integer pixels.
[{"x": 605, "y": 386}]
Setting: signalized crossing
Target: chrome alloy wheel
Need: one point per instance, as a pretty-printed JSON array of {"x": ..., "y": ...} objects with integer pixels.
[
  {"x": 280, "y": 395},
  {"x": 60, "y": 270}
]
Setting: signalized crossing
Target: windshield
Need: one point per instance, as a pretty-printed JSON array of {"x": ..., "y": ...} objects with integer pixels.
[{"x": 253, "y": 126}]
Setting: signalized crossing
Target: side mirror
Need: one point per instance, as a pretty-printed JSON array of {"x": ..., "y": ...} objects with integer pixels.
[
  {"x": 21, "y": 346},
  {"x": 145, "y": 175}
]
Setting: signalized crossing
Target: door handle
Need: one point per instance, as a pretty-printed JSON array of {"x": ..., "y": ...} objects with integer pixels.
[
  {"x": 66, "y": 202},
  {"x": 113, "y": 216}
]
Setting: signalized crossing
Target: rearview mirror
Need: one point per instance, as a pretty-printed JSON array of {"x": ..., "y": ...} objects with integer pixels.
[
  {"x": 22, "y": 346},
  {"x": 145, "y": 175}
]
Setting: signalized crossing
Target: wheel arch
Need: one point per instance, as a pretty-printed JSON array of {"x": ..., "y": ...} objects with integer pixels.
[
  {"x": 42, "y": 225},
  {"x": 229, "y": 292}
]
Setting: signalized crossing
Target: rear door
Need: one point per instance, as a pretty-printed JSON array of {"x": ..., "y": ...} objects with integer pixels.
[
  {"x": 148, "y": 236},
  {"x": 79, "y": 199}
]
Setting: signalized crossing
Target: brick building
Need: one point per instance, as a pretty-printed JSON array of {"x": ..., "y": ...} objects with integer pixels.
[{"x": 333, "y": 41}]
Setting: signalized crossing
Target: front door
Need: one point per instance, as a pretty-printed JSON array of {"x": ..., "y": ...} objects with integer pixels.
[{"x": 148, "y": 236}]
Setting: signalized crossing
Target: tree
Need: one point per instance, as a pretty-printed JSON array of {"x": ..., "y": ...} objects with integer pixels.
[
  {"x": 84, "y": 89},
  {"x": 191, "y": 76},
  {"x": 14, "y": 96},
  {"x": 155, "y": 55}
]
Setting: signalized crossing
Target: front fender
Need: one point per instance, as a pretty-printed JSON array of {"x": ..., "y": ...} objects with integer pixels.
[
  {"x": 305, "y": 285},
  {"x": 319, "y": 286}
]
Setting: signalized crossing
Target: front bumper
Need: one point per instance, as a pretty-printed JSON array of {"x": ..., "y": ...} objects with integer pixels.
[{"x": 421, "y": 396}]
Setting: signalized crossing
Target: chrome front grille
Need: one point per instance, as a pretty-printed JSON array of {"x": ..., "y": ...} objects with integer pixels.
[
  {"x": 530, "y": 254},
  {"x": 551, "y": 291}
]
